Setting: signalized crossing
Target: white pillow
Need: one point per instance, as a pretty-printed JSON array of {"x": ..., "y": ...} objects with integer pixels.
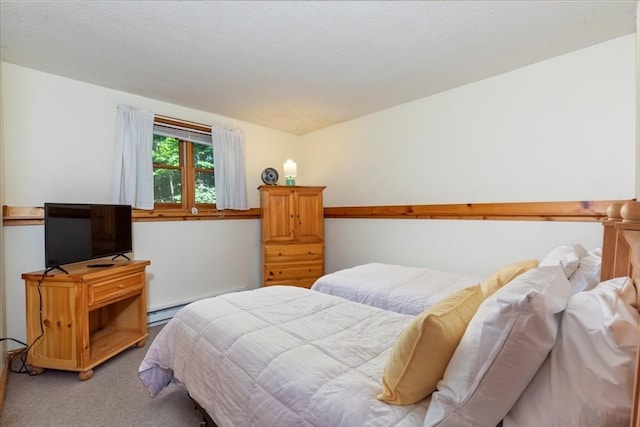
[
  {"x": 588, "y": 273},
  {"x": 503, "y": 347},
  {"x": 588, "y": 377},
  {"x": 567, "y": 256}
]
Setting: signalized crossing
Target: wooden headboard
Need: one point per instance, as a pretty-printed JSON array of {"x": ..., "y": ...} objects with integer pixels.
[{"x": 621, "y": 257}]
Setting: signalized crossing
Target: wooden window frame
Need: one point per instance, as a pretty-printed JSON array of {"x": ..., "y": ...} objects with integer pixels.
[{"x": 188, "y": 172}]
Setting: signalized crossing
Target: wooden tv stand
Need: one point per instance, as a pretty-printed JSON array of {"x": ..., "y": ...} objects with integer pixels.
[{"x": 88, "y": 315}]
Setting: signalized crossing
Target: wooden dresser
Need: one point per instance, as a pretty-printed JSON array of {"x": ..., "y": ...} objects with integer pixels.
[
  {"x": 78, "y": 320},
  {"x": 292, "y": 232}
]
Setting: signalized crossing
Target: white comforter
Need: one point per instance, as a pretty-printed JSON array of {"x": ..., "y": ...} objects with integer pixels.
[
  {"x": 281, "y": 356},
  {"x": 408, "y": 290}
]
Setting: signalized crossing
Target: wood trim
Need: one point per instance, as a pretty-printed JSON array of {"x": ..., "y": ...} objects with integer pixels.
[
  {"x": 519, "y": 211},
  {"x": 625, "y": 221},
  {"x": 4, "y": 378},
  {"x": 19, "y": 215},
  {"x": 180, "y": 215},
  {"x": 32, "y": 215},
  {"x": 610, "y": 240},
  {"x": 583, "y": 211},
  {"x": 181, "y": 123}
]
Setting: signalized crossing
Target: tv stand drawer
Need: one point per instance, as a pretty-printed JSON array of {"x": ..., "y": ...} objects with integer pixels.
[{"x": 114, "y": 288}]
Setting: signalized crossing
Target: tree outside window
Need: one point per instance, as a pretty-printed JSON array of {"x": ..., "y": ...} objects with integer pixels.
[{"x": 183, "y": 174}]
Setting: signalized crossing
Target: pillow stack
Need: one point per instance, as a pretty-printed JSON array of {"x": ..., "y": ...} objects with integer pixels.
[
  {"x": 423, "y": 350},
  {"x": 566, "y": 256},
  {"x": 506, "y": 274},
  {"x": 501, "y": 350},
  {"x": 588, "y": 377},
  {"x": 582, "y": 268},
  {"x": 587, "y": 275},
  {"x": 495, "y": 352}
]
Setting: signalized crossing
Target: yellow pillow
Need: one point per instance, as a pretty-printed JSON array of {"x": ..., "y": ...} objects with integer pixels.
[
  {"x": 421, "y": 353},
  {"x": 501, "y": 277}
]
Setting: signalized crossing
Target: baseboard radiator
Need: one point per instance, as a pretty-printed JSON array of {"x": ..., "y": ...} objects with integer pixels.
[{"x": 162, "y": 315}]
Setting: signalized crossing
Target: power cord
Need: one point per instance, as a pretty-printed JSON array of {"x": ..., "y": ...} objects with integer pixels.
[
  {"x": 18, "y": 354},
  {"x": 22, "y": 353}
]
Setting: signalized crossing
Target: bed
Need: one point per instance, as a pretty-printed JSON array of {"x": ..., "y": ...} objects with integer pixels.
[
  {"x": 291, "y": 356},
  {"x": 399, "y": 288},
  {"x": 411, "y": 290},
  {"x": 264, "y": 344}
]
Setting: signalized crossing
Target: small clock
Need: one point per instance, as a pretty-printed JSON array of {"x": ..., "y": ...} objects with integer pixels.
[{"x": 269, "y": 176}]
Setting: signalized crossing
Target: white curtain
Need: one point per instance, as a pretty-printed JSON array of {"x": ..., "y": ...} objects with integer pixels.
[
  {"x": 229, "y": 170},
  {"x": 133, "y": 168}
]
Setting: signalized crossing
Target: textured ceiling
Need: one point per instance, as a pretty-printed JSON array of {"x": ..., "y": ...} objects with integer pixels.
[{"x": 297, "y": 66}]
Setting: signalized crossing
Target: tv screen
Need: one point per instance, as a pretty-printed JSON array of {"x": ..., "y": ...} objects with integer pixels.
[{"x": 75, "y": 232}]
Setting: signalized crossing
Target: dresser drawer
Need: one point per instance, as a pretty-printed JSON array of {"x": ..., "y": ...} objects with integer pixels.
[
  {"x": 303, "y": 283},
  {"x": 109, "y": 289},
  {"x": 294, "y": 253},
  {"x": 284, "y": 273}
]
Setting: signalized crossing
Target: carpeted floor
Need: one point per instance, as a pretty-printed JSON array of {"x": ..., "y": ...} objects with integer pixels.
[{"x": 113, "y": 397}]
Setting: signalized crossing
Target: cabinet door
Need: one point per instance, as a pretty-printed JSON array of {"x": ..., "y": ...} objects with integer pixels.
[
  {"x": 60, "y": 345},
  {"x": 310, "y": 216},
  {"x": 278, "y": 215}
]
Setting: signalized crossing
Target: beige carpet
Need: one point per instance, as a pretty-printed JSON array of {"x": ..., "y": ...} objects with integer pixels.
[{"x": 113, "y": 397}]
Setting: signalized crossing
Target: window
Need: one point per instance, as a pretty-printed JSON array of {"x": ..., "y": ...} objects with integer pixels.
[{"x": 183, "y": 166}]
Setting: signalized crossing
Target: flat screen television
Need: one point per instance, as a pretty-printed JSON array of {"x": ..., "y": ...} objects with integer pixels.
[{"x": 75, "y": 232}]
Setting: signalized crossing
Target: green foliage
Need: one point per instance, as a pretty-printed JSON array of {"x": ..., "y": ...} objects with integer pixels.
[
  {"x": 167, "y": 186},
  {"x": 202, "y": 156},
  {"x": 166, "y": 151},
  {"x": 205, "y": 187},
  {"x": 167, "y": 182}
]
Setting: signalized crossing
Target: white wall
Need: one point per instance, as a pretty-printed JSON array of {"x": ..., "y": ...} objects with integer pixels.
[
  {"x": 59, "y": 138},
  {"x": 58, "y": 146},
  {"x": 562, "y": 129}
]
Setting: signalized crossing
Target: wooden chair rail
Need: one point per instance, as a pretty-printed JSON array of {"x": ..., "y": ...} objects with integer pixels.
[
  {"x": 519, "y": 211},
  {"x": 18, "y": 215},
  {"x": 583, "y": 211}
]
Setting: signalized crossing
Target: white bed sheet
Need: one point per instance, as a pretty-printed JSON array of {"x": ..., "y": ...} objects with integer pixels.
[
  {"x": 281, "y": 356},
  {"x": 408, "y": 290}
]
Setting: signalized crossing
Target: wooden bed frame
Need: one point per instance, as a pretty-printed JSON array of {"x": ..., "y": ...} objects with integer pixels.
[{"x": 621, "y": 257}]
